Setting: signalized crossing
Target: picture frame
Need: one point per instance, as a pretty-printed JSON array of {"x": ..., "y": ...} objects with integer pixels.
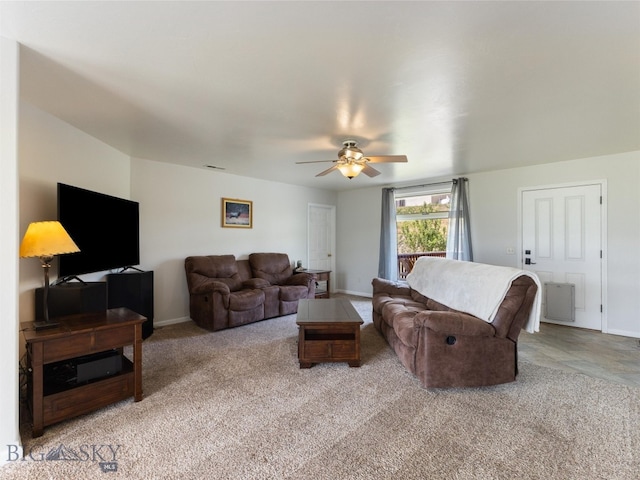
[{"x": 237, "y": 213}]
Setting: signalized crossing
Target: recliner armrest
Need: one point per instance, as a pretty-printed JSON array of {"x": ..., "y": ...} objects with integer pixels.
[
  {"x": 382, "y": 285},
  {"x": 301, "y": 278},
  {"x": 453, "y": 323},
  {"x": 210, "y": 287}
]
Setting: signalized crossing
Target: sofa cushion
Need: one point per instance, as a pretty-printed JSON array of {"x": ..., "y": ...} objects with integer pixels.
[
  {"x": 291, "y": 293},
  {"x": 454, "y": 323},
  {"x": 393, "y": 309},
  {"x": 404, "y": 329},
  {"x": 246, "y": 299},
  {"x": 244, "y": 269},
  {"x": 381, "y": 299},
  {"x": 273, "y": 267}
]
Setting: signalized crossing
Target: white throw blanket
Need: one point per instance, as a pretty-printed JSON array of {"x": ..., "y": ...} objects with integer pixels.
[{"x": 474, "y": 288}]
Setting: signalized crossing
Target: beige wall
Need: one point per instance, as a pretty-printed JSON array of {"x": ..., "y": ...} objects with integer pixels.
[
  {"x": 358, "y": 241},
  {"x": 9, "y": 428}
]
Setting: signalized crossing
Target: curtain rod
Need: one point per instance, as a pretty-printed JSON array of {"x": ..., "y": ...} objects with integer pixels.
[{"x": 430, "y": 184}]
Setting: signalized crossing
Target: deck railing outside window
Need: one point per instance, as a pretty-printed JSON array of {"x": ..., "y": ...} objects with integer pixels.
[{"x": 406, "y": 261}]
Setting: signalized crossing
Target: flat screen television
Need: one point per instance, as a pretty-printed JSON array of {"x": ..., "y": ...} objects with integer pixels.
[{"x": 105, "y": 228}]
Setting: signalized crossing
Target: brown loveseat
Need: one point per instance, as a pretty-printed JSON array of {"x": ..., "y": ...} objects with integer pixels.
[
  {"x": 444, "y": 347},
  {"x": 225, "y": 292}
]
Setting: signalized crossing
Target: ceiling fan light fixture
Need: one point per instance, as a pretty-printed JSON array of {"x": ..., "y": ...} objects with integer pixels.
[
  {"x": 351, "y": 169},
  {"x": 351, "y": 161},
  {"x": 350, "y": 151}
]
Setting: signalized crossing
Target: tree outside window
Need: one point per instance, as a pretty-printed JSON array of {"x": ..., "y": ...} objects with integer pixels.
[{"x": 422, "y": 221}]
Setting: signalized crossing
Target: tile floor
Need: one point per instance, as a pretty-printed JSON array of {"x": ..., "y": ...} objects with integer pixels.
[{"x": 593, "y": 353}]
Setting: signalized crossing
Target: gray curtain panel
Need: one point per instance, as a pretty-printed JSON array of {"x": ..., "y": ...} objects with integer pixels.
[
  {"x": 459, "y": 238},
  {"x": 388, "y": 262}
]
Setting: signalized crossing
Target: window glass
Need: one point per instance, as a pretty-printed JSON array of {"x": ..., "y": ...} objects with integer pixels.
[{"x": 422, "y": 225}]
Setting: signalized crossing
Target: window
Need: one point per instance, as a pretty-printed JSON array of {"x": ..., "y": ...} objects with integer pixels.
[{"x": 422, "y": 224}]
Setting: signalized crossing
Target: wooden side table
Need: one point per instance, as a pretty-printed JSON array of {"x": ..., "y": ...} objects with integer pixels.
[
  {"x": 322, "y": 276},
  {"x": 79, "y": 335}
]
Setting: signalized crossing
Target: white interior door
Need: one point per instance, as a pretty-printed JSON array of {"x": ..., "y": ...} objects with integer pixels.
[
  {"x": 321, "y": 237},
  {"x": 562, "y": 243}
]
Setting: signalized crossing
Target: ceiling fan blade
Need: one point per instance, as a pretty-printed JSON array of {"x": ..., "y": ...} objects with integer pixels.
[
  {"x": 369, "y": 170},
  {"x": 317, "y": 161},
  {"x": 387, "y": 158},
  {"x": 328, "y": 170}
]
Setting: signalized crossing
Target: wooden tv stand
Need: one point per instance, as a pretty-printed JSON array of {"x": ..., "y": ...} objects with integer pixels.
[{"x": 79, "y": 335}]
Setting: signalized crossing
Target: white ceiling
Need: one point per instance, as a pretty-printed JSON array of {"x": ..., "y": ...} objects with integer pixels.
[{"x": 253, "y": 87}]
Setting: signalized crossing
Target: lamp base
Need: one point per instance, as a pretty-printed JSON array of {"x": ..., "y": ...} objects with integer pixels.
[{"x": 44, "y": 324}]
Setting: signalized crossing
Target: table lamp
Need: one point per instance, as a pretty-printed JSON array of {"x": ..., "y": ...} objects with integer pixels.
[{"x": 44, "y": 240}]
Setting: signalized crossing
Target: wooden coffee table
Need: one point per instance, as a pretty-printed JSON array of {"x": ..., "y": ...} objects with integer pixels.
[{"x": 329, "y": 331}]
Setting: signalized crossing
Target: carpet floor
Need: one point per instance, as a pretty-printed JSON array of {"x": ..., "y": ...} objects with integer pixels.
[{"x": 234, "y": 405}]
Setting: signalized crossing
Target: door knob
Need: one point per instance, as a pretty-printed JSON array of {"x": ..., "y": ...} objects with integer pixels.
[{"x": 528, "y": 261}]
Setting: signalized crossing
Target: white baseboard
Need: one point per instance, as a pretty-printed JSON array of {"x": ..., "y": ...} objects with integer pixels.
[
  {"x": 358, "y": 294},
  {"x": 170, "y": 321},
  {"x": 623, "y": 333}
]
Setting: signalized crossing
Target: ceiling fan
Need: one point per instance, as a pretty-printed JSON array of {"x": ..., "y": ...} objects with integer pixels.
[{"x": 351, "y": 161}]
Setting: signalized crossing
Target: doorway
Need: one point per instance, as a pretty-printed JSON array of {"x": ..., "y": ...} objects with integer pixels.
[
  {"x": 562, "y": 241},
  {"x": 321, "y": 221}
]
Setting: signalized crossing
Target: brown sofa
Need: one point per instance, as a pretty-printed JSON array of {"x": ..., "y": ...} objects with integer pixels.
[
  {"x": 225, "y": 292},
  {"x": 448, "y": 348}
]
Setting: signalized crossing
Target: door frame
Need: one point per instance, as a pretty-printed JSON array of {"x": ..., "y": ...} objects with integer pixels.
[
  {"x": 603, "y": 234},
  {"x": 332, "y": 209}
]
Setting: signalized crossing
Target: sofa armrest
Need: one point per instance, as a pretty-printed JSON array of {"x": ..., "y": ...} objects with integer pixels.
[
  {"x": 304, "y": 279},
  {"x": 454, "y": 323},
  {"x": 256, "y": 283},
  {"x": 382, "y": 285},
  {"x": 210, "y": 287}
]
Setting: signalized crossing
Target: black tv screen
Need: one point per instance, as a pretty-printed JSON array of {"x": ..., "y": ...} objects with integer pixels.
[{"x": 104, "y": 227}]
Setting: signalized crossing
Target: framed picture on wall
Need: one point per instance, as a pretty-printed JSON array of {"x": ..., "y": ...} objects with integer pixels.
[{"x": 237, "y": 213}]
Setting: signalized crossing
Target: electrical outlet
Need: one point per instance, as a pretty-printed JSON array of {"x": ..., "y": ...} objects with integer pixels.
[{"x": 511, "y": 251}]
